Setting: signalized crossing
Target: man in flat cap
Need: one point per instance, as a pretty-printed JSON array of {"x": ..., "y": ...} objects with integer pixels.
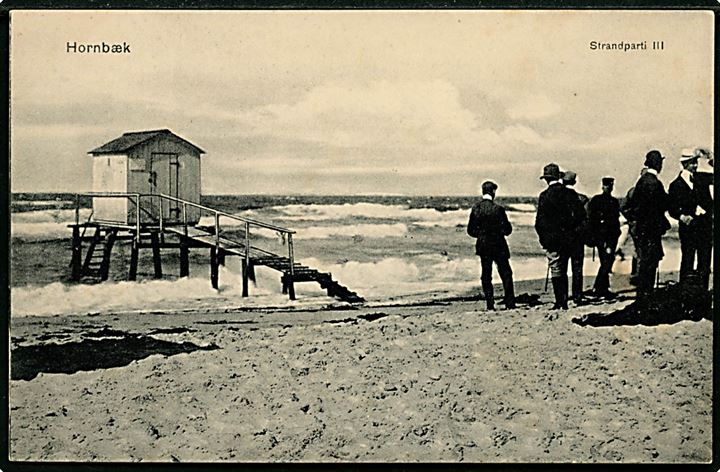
[
  {"x": 685, "y": 207},
  {"x": 557, "y": 221},
  {"x": 577, "y": 250},
  {"x": 604, "y": 217},
  {"x": 490, "y": 225},
  {"x": 646, "y": 207}
]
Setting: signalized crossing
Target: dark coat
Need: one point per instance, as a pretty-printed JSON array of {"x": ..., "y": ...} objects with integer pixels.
[
  {"x": 489, "y": 224},
  {"x": 583, "y": 231},
  {"x": 646, "y": 206},
  {"x": 604, "y": 218},
  {"x": 703, "y": 181},
  {"x": 559, "y": 219},
  {"x": 684, "y": 200}
]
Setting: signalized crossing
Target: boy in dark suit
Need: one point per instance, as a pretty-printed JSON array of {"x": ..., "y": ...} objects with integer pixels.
[
  {"x": 489, "y": 224},
  {"x": 604, "y": 216}
]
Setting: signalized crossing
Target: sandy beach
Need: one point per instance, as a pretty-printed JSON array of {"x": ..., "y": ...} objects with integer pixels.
[{"x": 437, "y": 381}]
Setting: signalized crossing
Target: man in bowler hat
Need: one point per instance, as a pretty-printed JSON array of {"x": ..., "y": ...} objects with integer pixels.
[
  {"x": 559, "y": 217},
  {"x": 604, "y": 226},
  {"x": 646, "y": 207},
  {"x": 490, "y": 225}
]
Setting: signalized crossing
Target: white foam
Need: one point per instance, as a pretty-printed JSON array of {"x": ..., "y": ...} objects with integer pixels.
[
  {"x": 379, "y": 280},
  {"x": 158, "y": 295},
  {"x": 526, "y": 207},
  {"x": 453, "y": 219},
  {"x": 366, "y": 210},
  {"x": 44, "y": 224},
  {"x": 38, "y": 203}
]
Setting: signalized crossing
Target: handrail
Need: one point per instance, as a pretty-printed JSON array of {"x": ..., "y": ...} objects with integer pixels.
[
  {"x": 228, "y": 215},
  {"x": 196, "y": 205},
  {"x": 135, "y": 198}
]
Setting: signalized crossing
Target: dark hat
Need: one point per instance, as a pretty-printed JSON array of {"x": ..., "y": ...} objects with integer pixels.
[
  {"x": 488, "y": 186},
  {"x": 569, "y": 177},
  {"x": 608, "y": 180},
  {"x": 551, "y": 171},
  {"x": 653, "y": 158}
]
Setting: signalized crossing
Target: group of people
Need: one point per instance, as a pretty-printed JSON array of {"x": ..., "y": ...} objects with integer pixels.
[{"x": 567, "y": 221}]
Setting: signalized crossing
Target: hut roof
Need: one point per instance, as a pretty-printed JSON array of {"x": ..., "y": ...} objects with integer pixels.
[{"x": 129, "y": 140}]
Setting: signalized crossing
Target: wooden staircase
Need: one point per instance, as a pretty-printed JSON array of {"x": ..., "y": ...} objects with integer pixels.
[
  {"x": 94, "y": 267},
  {"x": 258, "y": 257},
  {"x": 97, "y": 259}
]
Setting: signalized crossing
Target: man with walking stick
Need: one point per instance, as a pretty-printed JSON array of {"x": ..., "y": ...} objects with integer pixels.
[{"x": 559, "y": 217}]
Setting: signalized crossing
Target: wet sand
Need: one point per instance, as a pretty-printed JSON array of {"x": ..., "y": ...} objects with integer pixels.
[{"x": 440, "y": 381}]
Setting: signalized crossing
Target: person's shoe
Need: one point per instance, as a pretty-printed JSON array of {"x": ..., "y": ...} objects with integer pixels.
[
  {"x": 490, "y": 306},
  {"x": 580, "y": 300},
  {"x": 608, "y": 295},
  {"x": 510, "y": 305}
]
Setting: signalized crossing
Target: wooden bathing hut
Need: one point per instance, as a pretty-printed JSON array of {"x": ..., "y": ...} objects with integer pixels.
[
  {"x": 147, "y": 162},
  {"x": 146, "y": 190}
]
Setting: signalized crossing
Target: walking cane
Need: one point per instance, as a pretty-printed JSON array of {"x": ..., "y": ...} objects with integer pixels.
[
  {"x": 593, "y": 254},
  {"x": 657, "y": 278},
  {"x": 547, "y": 277}
]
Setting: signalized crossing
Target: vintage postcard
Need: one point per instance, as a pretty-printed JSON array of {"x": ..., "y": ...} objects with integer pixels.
[{"x": 361, "y": 236}]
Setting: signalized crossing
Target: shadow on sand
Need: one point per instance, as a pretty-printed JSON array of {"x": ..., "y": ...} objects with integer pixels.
[
  {"x": 670, "y": 304},
  {"x": 91, "y": 354}
]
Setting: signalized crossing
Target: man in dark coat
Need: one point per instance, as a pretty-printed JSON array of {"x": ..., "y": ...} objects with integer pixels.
[
  {"x": 703, "y": 182},
  {"x": 604, "y": 225},
  {"x": 693, "y": 218},
  {"x": 559, "y": 218},
  {"x": 683, "y": 206},
  {"x": 646, "y": 207},
  {"x": 489, "y": 224},
  {"x": 577, "y": 252}
]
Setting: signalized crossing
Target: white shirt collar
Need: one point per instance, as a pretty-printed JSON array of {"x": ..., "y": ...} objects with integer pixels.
[
  {"x": 556, "y": 182},
  {"x": 651, "y": 171},
  {"x": 571, "y": 187},
  {"x": 487, "y": 197},
  {"x": 686, "y": 176}
]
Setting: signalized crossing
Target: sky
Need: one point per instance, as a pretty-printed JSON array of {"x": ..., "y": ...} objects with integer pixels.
[{"x": 365, "y": 102}]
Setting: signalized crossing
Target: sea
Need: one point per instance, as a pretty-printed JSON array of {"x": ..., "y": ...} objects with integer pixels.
[{"x": 389, "y": 249}]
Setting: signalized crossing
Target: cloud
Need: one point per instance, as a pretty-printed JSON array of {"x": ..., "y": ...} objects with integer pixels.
[{"x": 533, "y": 107}]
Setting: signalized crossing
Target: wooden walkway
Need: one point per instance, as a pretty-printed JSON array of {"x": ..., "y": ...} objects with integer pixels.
[{"x": 102, "y": 236}]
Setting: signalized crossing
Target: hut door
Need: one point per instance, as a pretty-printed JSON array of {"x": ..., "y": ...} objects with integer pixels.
[{"x": 164, "y": 176}]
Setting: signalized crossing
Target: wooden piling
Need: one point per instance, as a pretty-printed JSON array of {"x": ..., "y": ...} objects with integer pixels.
[
  {"x": 245, "y": 276},
  {"x": 288, "y": 286},
  {"x": 76, "y": 260},
  {"x": 157, "y": 260},
  {"x": 107, "y": 251},
  {"x": 184, "y": 257},
  {"x": 214, "y": 267},
  {"x": 133, "y": 260},
  {"x": 251, "y": 273},
  {"x": 221, "y": 256},
  {"x": 291, "y": 287}
]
